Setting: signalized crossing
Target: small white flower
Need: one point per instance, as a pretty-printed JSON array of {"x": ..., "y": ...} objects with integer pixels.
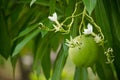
[
  {"x": 53, "y": 17},
  {"x": 97, "y": 38},
  {"x": 89, "y": 29},
  {"x": 110, "y": 50}
]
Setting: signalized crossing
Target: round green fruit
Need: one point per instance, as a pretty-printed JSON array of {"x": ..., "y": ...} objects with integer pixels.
[{"x": 85, "y": 51}]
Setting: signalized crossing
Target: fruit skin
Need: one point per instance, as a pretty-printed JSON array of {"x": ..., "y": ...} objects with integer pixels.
[{"x": 85, "y": 53}]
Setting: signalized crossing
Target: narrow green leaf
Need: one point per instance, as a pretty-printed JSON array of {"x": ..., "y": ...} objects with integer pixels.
[
  {"x": 52, "y": 6},
  {"x": 26, "y": 31},
  {"x": 20, "y": 45},
  {"x": 46, "y": 63},
  {"x": 90, "y": 5},
  {"x": 81, "y": 74},
  {"x": 60, "y": 61},
  {"x": 55, "y": 41},
  {"x": 5, "y": 43},
  {"x": 42, "y": 58},
  {"x": 41, "y": 49},
  {"x": 21, "y": 21},
  {"x": 39, "y": 52}
]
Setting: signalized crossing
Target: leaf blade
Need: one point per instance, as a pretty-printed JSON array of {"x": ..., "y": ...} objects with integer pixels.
[
  {"x": 26, "y": 31},
  {"x": 60, "y": 61},
  {"x": 90, "y": 5},
  {"x": 46, "y": 63},
  {"x": 52, "y": 6},
  {"x": 19, "y": 47},
  {"x": 5, "y": 43},
  {"x": 80, "y": 74}
]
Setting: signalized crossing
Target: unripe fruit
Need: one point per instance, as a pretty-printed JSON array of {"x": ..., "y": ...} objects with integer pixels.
[{"x": 85, "y": 52}]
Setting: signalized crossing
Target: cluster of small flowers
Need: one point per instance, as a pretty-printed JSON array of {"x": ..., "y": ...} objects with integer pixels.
[
  {"x": 109, "y": 55},
  {"x": 72, "y": 42}
]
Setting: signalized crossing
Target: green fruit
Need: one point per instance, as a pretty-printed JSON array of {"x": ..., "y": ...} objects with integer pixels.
[{"x": 85, "y": 51}]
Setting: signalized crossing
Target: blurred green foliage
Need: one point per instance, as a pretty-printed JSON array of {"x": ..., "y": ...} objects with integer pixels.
[{"x": 19, "y": 24}]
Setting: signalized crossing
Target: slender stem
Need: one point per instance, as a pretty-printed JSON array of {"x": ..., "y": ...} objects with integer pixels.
[
  {"x": 58, "y": 23},
  {"x": 73, "y": 14},
  {"x": 71, "y": 17},
  {"x": 43, "y": 27},
  {"x": 83, "y": 16},
  {"x": 93, "y": 34}
]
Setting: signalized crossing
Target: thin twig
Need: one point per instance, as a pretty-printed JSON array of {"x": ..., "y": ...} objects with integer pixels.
[{"x": 83, "y": 16}]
